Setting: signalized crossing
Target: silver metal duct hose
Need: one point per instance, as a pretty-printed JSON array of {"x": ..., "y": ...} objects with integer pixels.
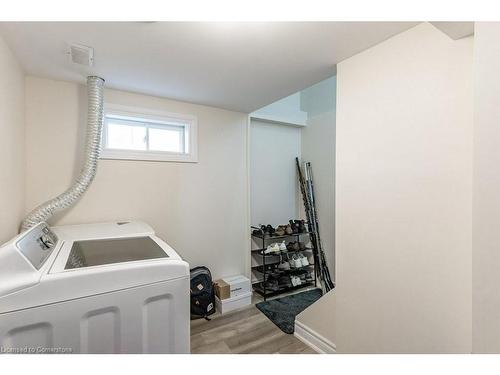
[{"x": 45, "y": 211}]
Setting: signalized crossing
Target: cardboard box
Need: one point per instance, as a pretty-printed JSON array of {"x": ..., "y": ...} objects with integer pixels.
[
  {"x": 222, "y": 289},
  {"x": 230, "y": 304},
  {"x": 238, "y": 285}
]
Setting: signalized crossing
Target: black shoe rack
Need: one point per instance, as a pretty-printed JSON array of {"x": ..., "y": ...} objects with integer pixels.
[{"x": 269, "y": 267}]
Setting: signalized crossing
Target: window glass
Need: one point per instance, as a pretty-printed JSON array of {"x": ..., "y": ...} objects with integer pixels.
[
  {"x": 129, "y": 135},
  {"x": 123, "y": 136},
  {"x": 166, "y": 139}
]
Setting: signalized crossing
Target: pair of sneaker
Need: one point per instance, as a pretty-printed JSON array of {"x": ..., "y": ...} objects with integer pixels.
[
  {"x": 281, "y": 230},
  {"x": 272, "y": 249},
  {"x": 296, "y": 246},
  {"x": 294, "y": 261},
  {"x": 275, "y": 248},
  {"x": 285, "y": 281},
  {"x": 298, "y": 261},
  {"x": 296, "y": 281},
  {"x": 267, "y": 229},
  {"x": 298, "y": 226},
  {"x": 271, "y": 284},
  {"x": 303, "y": 260}
]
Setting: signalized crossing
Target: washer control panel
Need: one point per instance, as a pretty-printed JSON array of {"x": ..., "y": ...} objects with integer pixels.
[{"x": 37, "y": 244}]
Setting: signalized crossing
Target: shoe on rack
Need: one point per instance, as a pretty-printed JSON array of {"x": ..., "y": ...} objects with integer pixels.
[
  {"x": 270, "y": 229},
  {"x": 291, "y": 262},
  {"x": 282, "y": 246},
  {"x": 293, "y": 246},
  {"x": 297, "y": 263},
  {"x": 271, "y": 284},
  {"x": 273, "y": 248},
  {"x": 295, "y": 227},
  {"x": 296, "y": 281},
  {"x": 280, "y": 231},
  {"x": 257, "y": 231},
  {"x": 285, "y": 281},
  {"x": 284, "y": 266},
  {"x": 303, "y": 260},
  {"x": 301, "y": 225},
  {"x": 302, "y": 246},
  {"x": 288, "y": 229}
]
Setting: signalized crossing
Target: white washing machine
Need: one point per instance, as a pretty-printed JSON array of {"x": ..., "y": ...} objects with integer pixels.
[{"x": 96, "y": 288}]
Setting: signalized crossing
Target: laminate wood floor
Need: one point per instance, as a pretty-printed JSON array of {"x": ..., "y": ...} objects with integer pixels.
[{"x": 244, "y": 331}]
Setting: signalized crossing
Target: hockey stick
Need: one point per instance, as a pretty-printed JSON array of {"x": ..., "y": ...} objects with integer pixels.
[
  {"x": 311, "y": 224},
  {"x": 312, "y": 200}
]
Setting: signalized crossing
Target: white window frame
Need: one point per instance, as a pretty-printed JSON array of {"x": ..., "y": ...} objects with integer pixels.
[{"x": 150, "y": 116}]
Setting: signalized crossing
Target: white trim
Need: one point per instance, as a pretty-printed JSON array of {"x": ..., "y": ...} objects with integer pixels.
[
  {"x": 108, "y": 154},
  {"x": 278, "y": 120},
  {"x": 190, "y": 123},
  {"x": 313, "y": 339},
  {"x": 248, "y": 233}
]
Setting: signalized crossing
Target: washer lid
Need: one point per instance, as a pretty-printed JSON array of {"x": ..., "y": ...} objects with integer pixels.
[
  {"x": 118, "y": 269},
  {"x": 99, "y": 252},
  {"x": 115, "y": 256}
]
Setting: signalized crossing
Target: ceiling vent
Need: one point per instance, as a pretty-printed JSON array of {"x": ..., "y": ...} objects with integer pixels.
[{"x": 82, "y": 55}]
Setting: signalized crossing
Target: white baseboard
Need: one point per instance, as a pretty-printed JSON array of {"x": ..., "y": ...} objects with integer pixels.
[{"x": 313, "y": 339}]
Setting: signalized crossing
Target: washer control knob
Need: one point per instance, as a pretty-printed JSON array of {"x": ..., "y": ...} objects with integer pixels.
[{"x": 46, "y": 241}]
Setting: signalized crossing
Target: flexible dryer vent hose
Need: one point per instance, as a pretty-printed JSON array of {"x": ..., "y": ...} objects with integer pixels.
[{"x": 45, "y": 211}]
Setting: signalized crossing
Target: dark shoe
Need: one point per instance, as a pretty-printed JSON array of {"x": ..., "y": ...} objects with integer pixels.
[
  {"x": 257, "y": 232},
  {"x": 271, "y": 285},
  {"x": 288, "y": 230},
  {"x": 284, "y": 281},
  {"x": 301, "y": 225}
]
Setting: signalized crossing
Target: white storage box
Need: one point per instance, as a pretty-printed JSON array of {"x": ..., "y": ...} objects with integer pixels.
[
  {"x": 238, "y": 285},
  {"x": 230, "y": 304}
]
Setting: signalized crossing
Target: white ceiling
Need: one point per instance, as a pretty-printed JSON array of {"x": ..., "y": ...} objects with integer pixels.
[
  {"x": 237, "y": 66},
  {"x": 455, "y": 30}
]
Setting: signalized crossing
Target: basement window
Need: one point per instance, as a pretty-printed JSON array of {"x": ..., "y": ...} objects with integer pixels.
[{"x": 135, "y": 134}]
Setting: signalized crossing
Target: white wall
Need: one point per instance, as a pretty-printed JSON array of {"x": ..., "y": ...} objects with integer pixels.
[
  {"x": 287, "y": 110},
  {"x": 403, "y": 197},
  {"x": 486, "y": 193},
  {"x": 404, "y": 144},
  {"x": 274, "y": 194},
  {"x": 11, "y": 144},
  {"x": 199, "y": 209},
  {"x": 318, "y": 147}
]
